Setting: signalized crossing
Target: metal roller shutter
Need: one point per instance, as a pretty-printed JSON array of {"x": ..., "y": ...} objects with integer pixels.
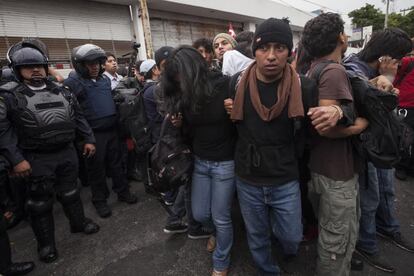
[
  {"x": 174, "y": 32},
  {"x": 65, "y": 19}
]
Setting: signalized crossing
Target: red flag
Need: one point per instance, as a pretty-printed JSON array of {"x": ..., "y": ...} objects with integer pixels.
[{"x": 231, "y": 30}]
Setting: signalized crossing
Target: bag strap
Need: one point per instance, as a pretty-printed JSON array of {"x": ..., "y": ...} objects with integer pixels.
[
  {"x": 407, "y": 70},
  {"x": 317, "y": 71},
  {"x": 164, "y": 125}
]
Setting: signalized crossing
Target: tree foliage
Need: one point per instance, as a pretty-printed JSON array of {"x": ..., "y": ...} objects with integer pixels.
[{"x": 370, "y": 15}]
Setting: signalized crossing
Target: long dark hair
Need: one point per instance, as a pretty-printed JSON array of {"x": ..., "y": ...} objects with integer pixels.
[
  {"x": 303, "y": 60},
  {"x": 392, "y": 42},
  {"x": 184, "y": 82}
]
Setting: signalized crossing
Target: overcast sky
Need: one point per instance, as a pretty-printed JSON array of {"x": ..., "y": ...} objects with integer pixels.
[{"x": 346, "y": 6}]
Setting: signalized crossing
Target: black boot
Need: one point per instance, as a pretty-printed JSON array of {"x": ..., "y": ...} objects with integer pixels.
[
  {"x": 73, "y": 208},
  {"x": 78, "y": 222},
  {"x": 18, "y": 269},
  {"x": 76, "y": 215},
  {"x": 44, "y": 230}
]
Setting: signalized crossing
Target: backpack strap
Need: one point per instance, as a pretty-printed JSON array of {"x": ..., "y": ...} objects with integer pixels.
[
  {"x": 234, "y": 83},
  {"x": 407, "y": 70},
  {"x": 317, "y": 71}
]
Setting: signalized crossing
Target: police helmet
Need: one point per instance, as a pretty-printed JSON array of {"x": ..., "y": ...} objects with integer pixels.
[
  {"x": 25, "y": 56},
  {"x": 7, "y": 74},
  {"x": 87, "y": 53}
]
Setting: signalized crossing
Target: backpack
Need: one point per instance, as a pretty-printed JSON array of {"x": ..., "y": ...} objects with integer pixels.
[
  {"x": 133, "y": 119},
  {"x": 386, "y": 139},
  {"x": 170, "y": 161}
]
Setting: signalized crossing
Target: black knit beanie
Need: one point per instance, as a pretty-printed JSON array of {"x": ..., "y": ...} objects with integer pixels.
[
  {"x": 162, "y": 53},
  {"x": 273, "y": 30}
]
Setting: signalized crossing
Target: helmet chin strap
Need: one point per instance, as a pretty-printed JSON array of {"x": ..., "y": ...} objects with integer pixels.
[{"x": 36, "y": 82}]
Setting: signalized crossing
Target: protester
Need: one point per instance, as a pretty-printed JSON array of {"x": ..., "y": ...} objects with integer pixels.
[
  {"x": 200, "y": 93},
  {"x": 222, "y": 43},
  {"x": 240, "y": 58},
  {"x": 39, "y": 145},
  {"x": 93, "y": 92},
  {"x": 205, "y": 48},
  {"x": 324, "y": 40},
  {"x": 404, "y": 82},
  {"x": 379, "y": 58},
  {"x": 266, "y": 164}
]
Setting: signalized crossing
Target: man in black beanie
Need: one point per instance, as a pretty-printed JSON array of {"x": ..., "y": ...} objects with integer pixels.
[{"x": 268, "y": 111}]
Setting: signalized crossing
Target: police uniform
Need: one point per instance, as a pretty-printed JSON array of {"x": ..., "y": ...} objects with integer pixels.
[
  {"x": 6, "y": 265},
  {"x": 40, "y": 126},
  {"x": 95, "y": 98}
]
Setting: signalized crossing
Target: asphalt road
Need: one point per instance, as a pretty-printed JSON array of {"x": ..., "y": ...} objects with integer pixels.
[{"x": 132, "y": 242}]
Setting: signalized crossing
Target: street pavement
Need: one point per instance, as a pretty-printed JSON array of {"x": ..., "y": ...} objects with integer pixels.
[{"x": 132, "y": 242}]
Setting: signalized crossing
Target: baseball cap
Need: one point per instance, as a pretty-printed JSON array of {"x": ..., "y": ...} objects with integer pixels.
[{"x": 146, "y": 66}]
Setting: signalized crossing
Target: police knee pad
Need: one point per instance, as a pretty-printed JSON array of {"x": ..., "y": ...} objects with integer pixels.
[
  {"x": 69, "y": 196},
  {"x": 37, "y": 207},
  {"x": 42, "y": 186}
]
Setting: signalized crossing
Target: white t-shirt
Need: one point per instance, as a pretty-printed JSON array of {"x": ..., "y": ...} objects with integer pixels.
[
  {"x": 114, "y": 79},
  {"x": 234, "y": 62}
]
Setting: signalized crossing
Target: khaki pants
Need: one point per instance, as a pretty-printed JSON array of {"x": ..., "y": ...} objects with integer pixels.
[{"x": 336, "y": 205}]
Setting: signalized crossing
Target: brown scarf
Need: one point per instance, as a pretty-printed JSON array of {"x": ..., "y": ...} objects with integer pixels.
[{"x": 288, "y": 91}]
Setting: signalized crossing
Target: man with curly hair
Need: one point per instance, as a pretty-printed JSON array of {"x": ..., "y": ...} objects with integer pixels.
[{"x": 333, "y": 188}]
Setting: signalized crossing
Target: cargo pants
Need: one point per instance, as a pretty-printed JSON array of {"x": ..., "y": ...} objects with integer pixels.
[{"x": 337, "y": 207}]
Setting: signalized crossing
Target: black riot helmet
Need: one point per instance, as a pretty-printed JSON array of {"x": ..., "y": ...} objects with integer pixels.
[
  {"x": 87, "y": 53},
  {"x": 19, "y": 56},
  {"x": 6, "y": 74}
]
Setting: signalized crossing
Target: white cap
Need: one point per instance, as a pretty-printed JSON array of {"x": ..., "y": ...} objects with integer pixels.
[{"x": 146, "y": 66}]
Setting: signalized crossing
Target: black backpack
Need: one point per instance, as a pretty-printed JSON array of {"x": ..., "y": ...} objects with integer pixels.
[
  {"x": 133, "y": 119},
  {"x": 170, "y": 161},
  {"x": 386, "y": 139}
]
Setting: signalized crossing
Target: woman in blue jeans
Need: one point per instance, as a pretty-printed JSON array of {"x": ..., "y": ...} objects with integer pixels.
[{"x": 190, "y": 88}]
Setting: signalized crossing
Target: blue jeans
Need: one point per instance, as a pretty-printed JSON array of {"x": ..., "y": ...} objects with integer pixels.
[
  {"x": 376, "y": 189},
  {"x": 276, "y": 208},
  {"x": 212, "y": 194}
]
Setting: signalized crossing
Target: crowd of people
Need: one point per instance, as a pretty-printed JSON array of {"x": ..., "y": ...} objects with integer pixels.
[{"x": 242, "y": 104}]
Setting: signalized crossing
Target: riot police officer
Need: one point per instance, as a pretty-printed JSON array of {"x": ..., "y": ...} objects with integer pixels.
[
  {"x": 39, "y": 122},
  {"x": 93, "y": 92},
  {"x": 6, "y": 265}
]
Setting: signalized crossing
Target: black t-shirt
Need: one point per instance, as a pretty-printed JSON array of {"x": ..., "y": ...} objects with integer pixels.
[
  {"x": 268, "y": 95},
  {"x": 213, "y": 133},
  {"x": 265, "y": 151}
]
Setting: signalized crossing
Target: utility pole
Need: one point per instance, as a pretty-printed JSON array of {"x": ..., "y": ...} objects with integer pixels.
[
  {"x": 404, "y": 10},
  {"x": 386, "y": 14},
  {"x": 146, "y": 26}
]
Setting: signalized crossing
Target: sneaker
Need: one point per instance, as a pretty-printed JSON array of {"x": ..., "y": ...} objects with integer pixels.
[
  {"x": 401, "y": 174},
  {"x": 356, "y": 263},
  {"x": 199, "y": 234},
  {"x": 288, "y": 265},
  {"x": 103, "y": 209},
  {"x": 168, "y": 203},
  {"x": 127, "y": 197},
  {"x": 376, "y": 261},
  {"x": 211, "y": 244},
  {"x": 175, "y": 228},
  {"x": 398, "y": 240},
  {"x": 219, "y": 273}
]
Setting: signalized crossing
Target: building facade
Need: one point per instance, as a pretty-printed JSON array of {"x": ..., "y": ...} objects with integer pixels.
[{"x": 114, "y": 25}]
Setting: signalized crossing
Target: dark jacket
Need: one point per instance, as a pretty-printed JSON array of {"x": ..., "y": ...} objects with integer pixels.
[{"x": 154, "y": 117}]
